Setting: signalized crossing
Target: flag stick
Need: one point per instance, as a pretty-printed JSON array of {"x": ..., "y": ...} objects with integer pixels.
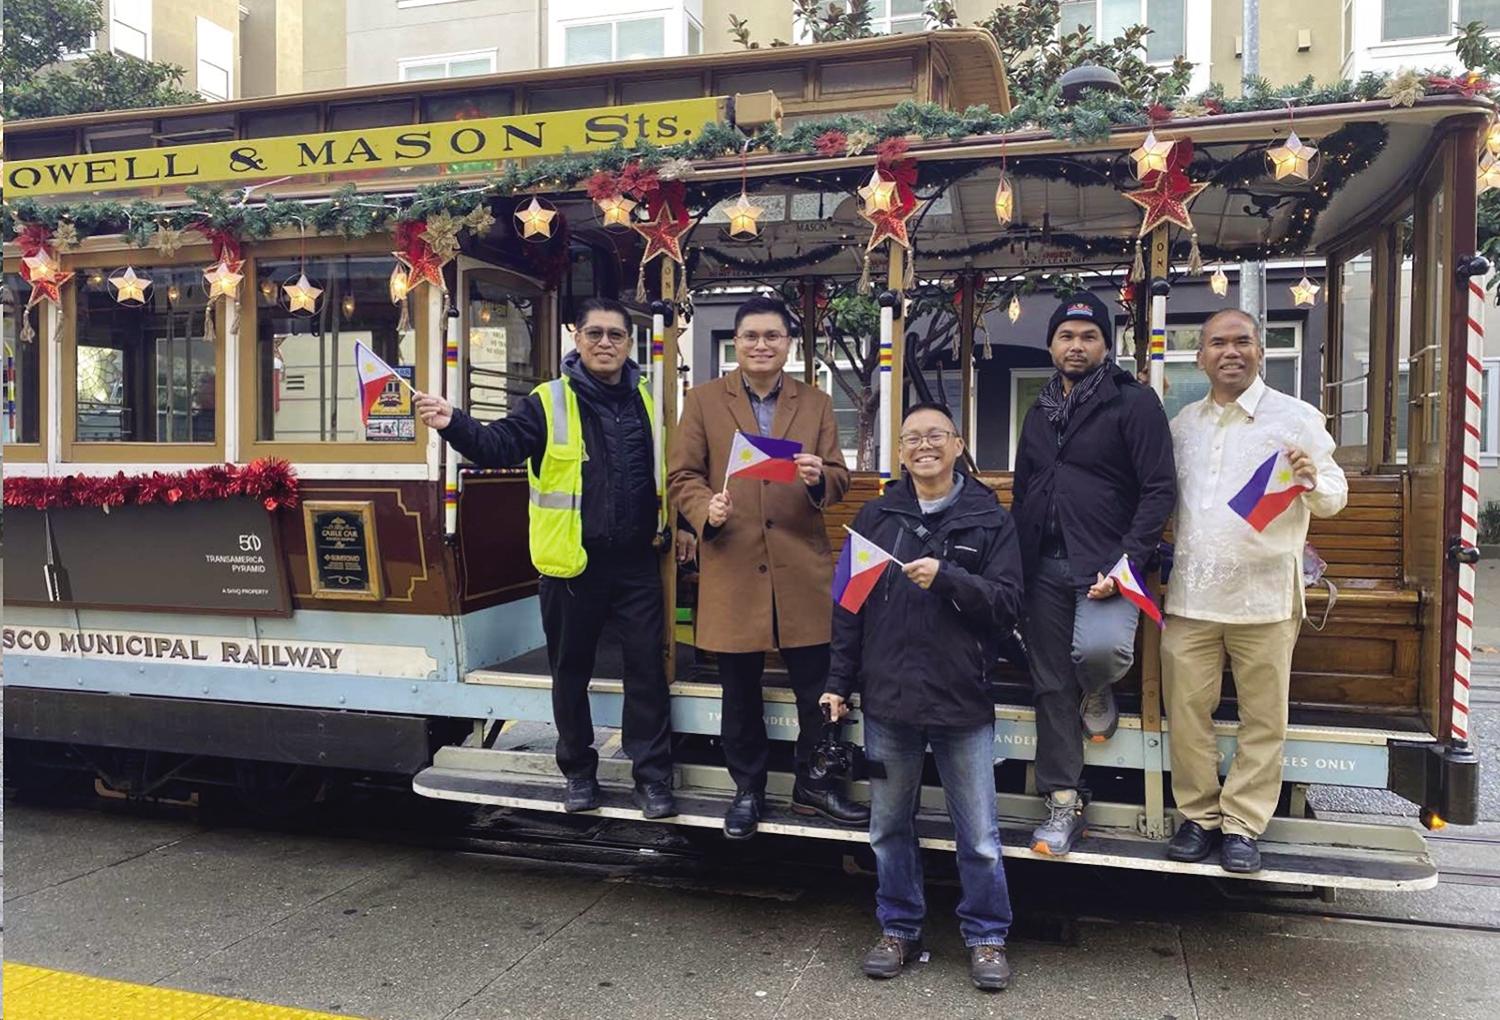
[{"x": 893, "y": 559}]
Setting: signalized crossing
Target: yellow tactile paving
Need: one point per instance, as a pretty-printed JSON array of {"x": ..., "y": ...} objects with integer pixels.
[{"x": 35, "y": 993}]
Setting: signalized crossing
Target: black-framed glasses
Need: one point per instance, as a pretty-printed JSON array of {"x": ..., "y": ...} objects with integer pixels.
[
  {"x": 932, "y": 437},
  {"x": 597, "y": 335},
  {"x": 751, "y": 339}
]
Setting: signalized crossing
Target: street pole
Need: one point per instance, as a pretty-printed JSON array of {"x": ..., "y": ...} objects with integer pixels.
[{"x": 1252, "y": 274}]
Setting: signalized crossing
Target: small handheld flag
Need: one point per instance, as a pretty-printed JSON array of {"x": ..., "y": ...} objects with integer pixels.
[
  {"x": 1269, "y": 492},
  {"x": 763, "y": 457},
  {"x": 1133, "y": 589},
  {"x": 859, "y": 568},
  {"x": 374, "y": 378}
]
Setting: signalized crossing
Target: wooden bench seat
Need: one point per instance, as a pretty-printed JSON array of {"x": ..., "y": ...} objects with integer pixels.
[{"x": 1366, "y": 656}]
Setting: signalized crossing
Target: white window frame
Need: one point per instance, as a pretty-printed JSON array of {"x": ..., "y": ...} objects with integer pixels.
[
  {"x": 1197, "y": 40},
  {"x": 93, "y": 44},
  {"x": 688, "y": 24},
  {"x": 199, "y": 25},
  {"x": 144, "y": 28},
  {"x": 1489, "y": 456},
  {"x": 405, "y": 64},
  {"x": 665, "y": 15},
  {"x": 1408, "y": 40}
]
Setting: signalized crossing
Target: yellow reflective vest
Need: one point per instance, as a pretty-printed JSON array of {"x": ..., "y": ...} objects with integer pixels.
[{"x": 555, "y": 510}]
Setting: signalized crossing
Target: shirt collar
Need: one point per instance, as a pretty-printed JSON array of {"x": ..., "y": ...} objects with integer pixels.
[
  {"x": 1247, "y": 401},
  {"x": 775, "y": 390}
]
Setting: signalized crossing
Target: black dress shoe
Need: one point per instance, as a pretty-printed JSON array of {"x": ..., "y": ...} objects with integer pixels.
[
  {"x": 1192, "y": 843},
  {"x": 1239, "y": 854},
  {"x": 582, "y": 795},
  {"x": 655, "y": 800},
  {"x": 743, "y": 815},
  {"x": 831, "y": 804}
]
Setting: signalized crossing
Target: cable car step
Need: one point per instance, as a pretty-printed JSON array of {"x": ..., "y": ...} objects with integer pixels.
[{"x": 1307, "y": 852}]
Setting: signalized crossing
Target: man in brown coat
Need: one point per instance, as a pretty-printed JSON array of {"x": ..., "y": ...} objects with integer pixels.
[{"x": 765, "y": 567}]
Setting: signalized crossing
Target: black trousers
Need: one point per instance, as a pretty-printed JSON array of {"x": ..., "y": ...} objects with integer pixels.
[
  {"x": 625, "y": 588},
  {"x": 743, "y": 729}
]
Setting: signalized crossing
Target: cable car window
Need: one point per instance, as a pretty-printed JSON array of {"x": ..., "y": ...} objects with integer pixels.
[
  {"x": 502, "y": 347},
  {"x": 308, "y": 386},
  {"x": 22, "y": 365},
  {"x": 146, "y": 370}
]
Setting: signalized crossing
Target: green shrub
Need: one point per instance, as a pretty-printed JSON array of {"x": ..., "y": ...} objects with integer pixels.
[{"x": 1489, "y": 523}]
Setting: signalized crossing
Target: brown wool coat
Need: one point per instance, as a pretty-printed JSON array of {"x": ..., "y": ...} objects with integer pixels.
[{"x": 773, "y": 547}]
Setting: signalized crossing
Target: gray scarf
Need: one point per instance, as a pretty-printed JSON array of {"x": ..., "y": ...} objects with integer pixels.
[{"x": 1061, "y": 407}]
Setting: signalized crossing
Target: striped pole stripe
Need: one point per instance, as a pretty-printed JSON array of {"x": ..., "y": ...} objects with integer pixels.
[
  {"x": 887, "y": 455},
  {"x": 1468, "y": 514},
  {"x": 450, "y": 455},
  {"x": 658, "y": 392},
  {"x": 1158, "y": 348}
]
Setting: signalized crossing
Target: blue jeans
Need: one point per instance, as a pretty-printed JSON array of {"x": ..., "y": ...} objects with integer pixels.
[{"x": 966, "y": 765}]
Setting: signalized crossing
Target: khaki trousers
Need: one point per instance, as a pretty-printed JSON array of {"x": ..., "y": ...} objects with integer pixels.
[{"x": 1192, "y": 661}]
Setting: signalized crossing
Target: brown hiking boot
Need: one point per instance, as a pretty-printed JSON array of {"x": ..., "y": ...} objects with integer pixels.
[
  {"x": 886, "y": 958},
  {"x": 988, "y": 968}
]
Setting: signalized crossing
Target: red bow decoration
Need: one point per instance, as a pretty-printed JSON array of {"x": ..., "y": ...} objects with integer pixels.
[
  {"x": 1467, "y": 85},
  {"x": 1166, "y": 194},
  {"x": 270, "y": 481},
  {"x": 225, "y": 244}
]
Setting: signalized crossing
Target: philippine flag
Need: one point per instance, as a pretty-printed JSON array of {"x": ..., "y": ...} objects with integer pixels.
[
  {"x": 1133, "y": 589},
  {"x": 859, "y": 568},
  {"x": 1269, "y": 492},
  {"x": 763, "y": 457},
  {"x": 374, "y": 376}
]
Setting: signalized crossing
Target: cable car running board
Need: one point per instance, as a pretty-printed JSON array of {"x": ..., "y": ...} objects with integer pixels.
[{"x": 1339, "y": 855}]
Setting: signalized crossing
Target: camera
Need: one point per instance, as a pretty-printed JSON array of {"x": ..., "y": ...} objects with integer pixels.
[{"x": 833, "y": 758}]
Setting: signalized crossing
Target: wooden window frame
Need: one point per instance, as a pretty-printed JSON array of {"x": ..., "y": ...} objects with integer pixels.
[
  {"x": 74, "y": 452},
  {"x": 251, "y": 446},
  {"x": 35, "y": 453}
]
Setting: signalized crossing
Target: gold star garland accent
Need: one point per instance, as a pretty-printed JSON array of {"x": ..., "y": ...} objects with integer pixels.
[
  {"x": 1305, "y": 292},
  {"x": 479, "y": 219},
  {"x": 535, "y": 220},
  {"x": 65, "y": 237},
  {"x": 130, "y": 287},
  {"x": 302, "y": 296},
  {"x": 167, "y": 240}
]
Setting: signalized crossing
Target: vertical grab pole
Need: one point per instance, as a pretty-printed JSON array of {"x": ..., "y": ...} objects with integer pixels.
[
  {"x": 1160, "y": 288},
  {"x": 1466, "y": 551},
  {"x": 451, "y": 391},
  {"x": 664, "y": 328},
  {"x": 1153, "y": 757},
  {"x": 659, "y": 311},
  {"x": 887, "y": 301}
]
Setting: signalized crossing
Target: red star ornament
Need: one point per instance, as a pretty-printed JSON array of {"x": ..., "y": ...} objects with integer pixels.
[
  {"x": 422, "y": 268},
  {"x": 888, "y": 223},
  {"x": 663, "y": 235},
  {"x": 1166, "y": 200},
  {"x": 49, "y": 289}
]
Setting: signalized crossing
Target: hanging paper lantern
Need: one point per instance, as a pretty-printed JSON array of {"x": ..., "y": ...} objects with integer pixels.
[
  {"x": 42, "y": 267},
  {"x": 879, "y": 194},
  {"x": 1219, "y": 283},
  {"x": 1292, "y": 158},
  {"x": 616, "y": 209},
  {"x": 130, "y": 287},
  {"x": 1152, "y": 155},
  {"x": 535, "y": 220},
  {"x": 1013, "y": 310},
  {"x": 398, "y": 284},
  {"x": 1005, "y": 200},
  {"x": 172, "y": 293},
  {"x": 223, "y": 280},
  {"x": 301, "y": 297},
  {"x": 744, "y": 217},
  {"x": 1305, "y": 292},
  {"x": 347, "y": 306}
]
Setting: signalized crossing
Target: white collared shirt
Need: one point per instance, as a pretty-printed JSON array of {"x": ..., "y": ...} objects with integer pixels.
[{"x": 1223, "y": 569}]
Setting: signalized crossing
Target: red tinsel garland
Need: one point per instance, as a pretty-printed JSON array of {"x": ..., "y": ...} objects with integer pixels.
[{"x": 271, "y": 481}]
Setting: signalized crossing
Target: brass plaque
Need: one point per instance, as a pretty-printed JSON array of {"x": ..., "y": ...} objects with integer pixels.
[{"x": 343, "y": 552}]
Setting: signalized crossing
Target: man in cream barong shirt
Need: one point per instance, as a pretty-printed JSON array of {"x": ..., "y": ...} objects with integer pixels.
[{"x": 1235, "y": 590}]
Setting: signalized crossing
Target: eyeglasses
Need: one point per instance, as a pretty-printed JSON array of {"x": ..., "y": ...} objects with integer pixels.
[
  {"x": 597, "y": 335},
  {"x": 751, "y": 339},
  {"x": 935, "y": 438}
]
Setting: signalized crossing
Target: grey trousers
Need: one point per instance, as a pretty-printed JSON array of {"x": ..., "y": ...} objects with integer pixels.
[{"x": 1077, "y": 646}]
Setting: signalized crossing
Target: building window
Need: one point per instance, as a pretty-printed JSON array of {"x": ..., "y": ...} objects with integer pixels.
[
  {"x": 23, "y": 377},
  {"x": 1186, "y": 382},
  {"x": 895, "y": 17},
  {"x": 1489, "y": 418},
  {"x": 447, "y": 65},
  {"x": 606, "y": 41},
  {"x": 130, "y": 27},
  {"x": 215, "y": 59},
  {"x": 1108, "y": 19},
  {"x": 694, "y": 37},
  {"x": 149, "y": 373},
  {"x": 1427, "y": 19}
]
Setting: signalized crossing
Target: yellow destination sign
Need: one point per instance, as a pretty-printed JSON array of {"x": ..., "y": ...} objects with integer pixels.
[{"x": 491, "y": 138}]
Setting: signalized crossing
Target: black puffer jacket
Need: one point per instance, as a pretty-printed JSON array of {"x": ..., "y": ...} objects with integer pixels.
[
  {"x": 923, "y": 656},
  {"x": 619, "y": 469},
  {"x": 1111, "y": 475}
]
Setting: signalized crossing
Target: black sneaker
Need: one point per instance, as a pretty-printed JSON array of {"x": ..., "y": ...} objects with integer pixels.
[
  {"x": 582, "y": 795},
  {"x": 886, "y": 958},
  {"x": 655, "y": 800},
  {"x": 1239, "y": 854},
  {"x": 988, "y": 968},
  {"x": 1192, "y": 843}
]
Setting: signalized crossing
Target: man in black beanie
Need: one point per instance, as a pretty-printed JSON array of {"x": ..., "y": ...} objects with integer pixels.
[{"x": 1094, "y": 480}]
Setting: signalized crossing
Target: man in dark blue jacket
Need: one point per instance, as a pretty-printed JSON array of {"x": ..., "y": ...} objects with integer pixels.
[
  {"x": 919, "y": 652},
  {"x": 1094, "y": 480},
  {"x": 620, "y": 577}
]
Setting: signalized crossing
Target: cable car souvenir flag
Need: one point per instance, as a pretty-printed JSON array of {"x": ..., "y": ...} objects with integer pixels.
[
  {"x": 1269, "y": 492},
  {"x": 375, "y": 378},
  {"x": 1133, "y": 590},
  {"x": 772, "y": 460},
  {"x": 859, "y": 568}
]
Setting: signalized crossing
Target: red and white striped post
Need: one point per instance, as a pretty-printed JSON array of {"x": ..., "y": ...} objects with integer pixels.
[{"x": 1468, "y": 512}]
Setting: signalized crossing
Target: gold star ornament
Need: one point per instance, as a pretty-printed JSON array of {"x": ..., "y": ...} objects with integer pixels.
[
  {"x": 535, "y": 220},
  {"x": 1292, "y": 158},
  {"x": 879, "y": 194},
  {"x": 42, "y": 266},
  {"x": 1152, "y": 155},
  {"x": 302, "y": 296},
  {"x": 616, "y": 210},
  {"x": 223, "y": 280},
  {"x": 130, "y": 287},
  {"x": 744, "y": 217},
  {"x": 1305, "y": 292},
  {"x": 1005, "y": 200}
]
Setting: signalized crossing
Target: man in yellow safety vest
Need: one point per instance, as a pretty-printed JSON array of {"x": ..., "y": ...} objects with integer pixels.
[{"x": 596, "y": 513}]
